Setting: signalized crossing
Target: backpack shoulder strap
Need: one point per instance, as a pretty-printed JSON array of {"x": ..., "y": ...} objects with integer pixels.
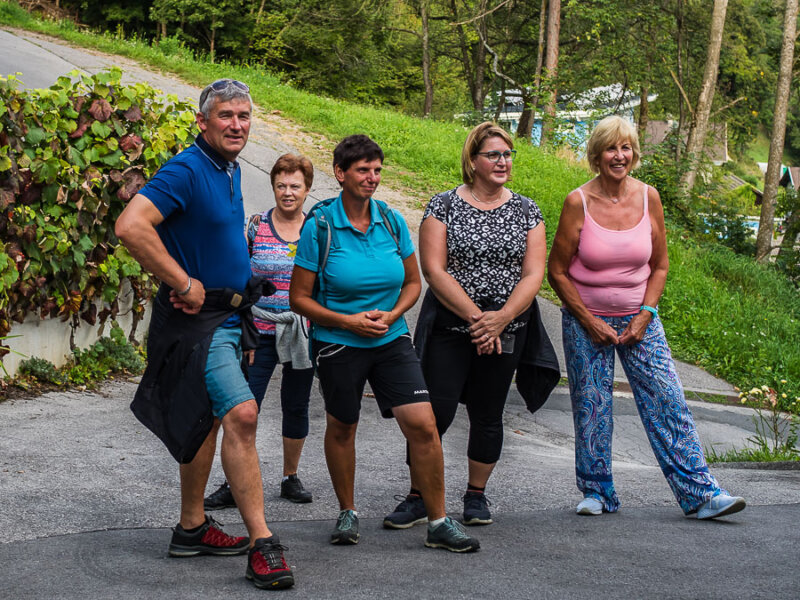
[
  {"x": 390, "y": 218},
  {"x": 253, "y": 223},
  {"x": 325, "y": 239}
]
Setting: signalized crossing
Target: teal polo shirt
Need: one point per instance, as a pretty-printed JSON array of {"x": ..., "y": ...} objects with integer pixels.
[{"x": 364, "y": 271}]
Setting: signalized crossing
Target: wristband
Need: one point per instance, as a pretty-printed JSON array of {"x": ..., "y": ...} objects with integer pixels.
[
  {"x": 186, "y": 291},
  {"x": 650, "y": 309}
]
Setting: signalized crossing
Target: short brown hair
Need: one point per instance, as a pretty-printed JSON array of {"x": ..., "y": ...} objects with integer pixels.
[
  {"x": 607, "y": 132},
  {"x": 473, "y": 143},
  {"x": 289, "y": 163}
]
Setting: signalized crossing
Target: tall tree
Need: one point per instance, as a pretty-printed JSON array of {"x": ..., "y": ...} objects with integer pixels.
[
  {"x": 551, "y": 67},
  {"x": 767, "y": 221},
  {"x": 699, "y": 127}
]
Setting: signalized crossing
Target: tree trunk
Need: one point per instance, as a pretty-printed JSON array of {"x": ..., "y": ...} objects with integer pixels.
[
  {"x": 465, "y": 58},
  {"x": 501, "y": 101},
  {"x": 643, "y": 106},
  {"x": 213, "y": 39},
  {"x": 479, "y": 60},
  {"x": 260, "y": 11},
  {"x": 791, "y": 233},
  {"x": 426, "y": 60},
  {"x": 699, "y": 128},
  {"x": 679, "y": 22},
  {"x": 551, "y": 68},
  {"x": 766, "y": 224},
  {"x": 525, "y": 126}
]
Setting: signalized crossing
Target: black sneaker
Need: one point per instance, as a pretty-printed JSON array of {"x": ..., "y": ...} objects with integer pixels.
[
  {"x": 209, "y": 539},
  {"x": 407, "y": 514},
  {"x": 266, "y": 566},
  {"x": 293, "y": 490},
  {"x": 476, "y": 509},
  {"x": 346, "y": 531},
  {"x": 222, "y": 498},
  {"x": 451, "y": 535}
]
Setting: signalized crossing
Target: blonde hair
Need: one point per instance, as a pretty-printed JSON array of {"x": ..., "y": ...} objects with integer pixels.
[
  {"x": 608, "y": 132},
  {"x": 473, "y": 143}
]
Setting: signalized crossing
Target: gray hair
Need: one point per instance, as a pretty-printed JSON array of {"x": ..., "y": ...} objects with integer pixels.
[{"x": 234, "y": 90}]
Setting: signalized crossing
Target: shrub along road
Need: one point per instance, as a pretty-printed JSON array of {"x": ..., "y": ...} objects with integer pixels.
[{"x": 88, "y": 495}]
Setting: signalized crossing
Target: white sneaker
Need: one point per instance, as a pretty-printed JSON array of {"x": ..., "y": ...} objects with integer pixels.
[
  {"x": 590, "y": 506},
  {"x": 719, "y": 506}
]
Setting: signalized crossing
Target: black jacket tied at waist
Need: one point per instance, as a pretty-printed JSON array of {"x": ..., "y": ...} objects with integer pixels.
[
  {"x": 538, "y": 372},
  {"x": 172, "y": 400}
]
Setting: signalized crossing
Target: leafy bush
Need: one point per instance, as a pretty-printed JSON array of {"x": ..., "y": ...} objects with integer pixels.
[
  {"x": 42, "y": 370},
  {"x": 107, "y": 356},
  {"x": 71, "y": 157}
]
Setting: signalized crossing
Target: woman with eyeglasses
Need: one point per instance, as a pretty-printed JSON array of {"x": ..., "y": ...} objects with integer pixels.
[{"x": 482, "y": 249}]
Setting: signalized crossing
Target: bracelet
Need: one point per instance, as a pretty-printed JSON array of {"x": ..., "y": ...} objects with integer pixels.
[
  {"x": 650, "y": 309},
  {"x": 186, "y": 291}
]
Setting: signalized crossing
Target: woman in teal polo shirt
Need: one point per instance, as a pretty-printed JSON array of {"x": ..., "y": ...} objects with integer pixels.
[{"x": 356, "y": 294}]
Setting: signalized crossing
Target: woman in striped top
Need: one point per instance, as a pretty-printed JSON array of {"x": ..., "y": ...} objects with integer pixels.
[{"x": 272, "y": 240}]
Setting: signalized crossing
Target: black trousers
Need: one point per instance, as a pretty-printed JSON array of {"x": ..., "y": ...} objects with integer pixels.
[{"x": 455, "y": 373}]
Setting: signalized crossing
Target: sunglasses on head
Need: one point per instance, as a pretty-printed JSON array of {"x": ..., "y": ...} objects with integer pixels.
[{"x": 222, "y": 84}]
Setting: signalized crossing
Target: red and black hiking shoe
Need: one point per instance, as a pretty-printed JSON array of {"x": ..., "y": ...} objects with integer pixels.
[
  {"x": 266, "y": 566},
  {"x": 209, "y": 539}
]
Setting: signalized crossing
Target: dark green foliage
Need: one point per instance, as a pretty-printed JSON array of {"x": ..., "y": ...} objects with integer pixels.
[
  {"x": 42, "y": 370},
  {"x": 107, "y": 356}
]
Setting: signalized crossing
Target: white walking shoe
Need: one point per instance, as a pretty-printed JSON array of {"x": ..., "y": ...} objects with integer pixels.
[
  {"x": 590, "y": 506},
  {"x": 720, "y": 505}
]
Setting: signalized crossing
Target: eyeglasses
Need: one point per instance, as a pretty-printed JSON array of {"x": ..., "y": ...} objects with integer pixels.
[
  {"x": 220, "y": 85},
  {"x": 223, "y": 84},
  {"x": 495, "y": 155}
]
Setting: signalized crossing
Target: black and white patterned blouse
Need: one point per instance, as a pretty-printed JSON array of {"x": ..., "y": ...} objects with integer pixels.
[{"x": 485, "y": 248}]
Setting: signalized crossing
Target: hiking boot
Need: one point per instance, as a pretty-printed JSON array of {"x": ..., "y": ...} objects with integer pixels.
[
  {"x": 476, "y": 509},
  {"x": 222, "y": 498},
  {"x": 451, "y": 535},
  {"x": 346, "y": 531},
  {"x": 266, "y": 566},
  {"x": 720, "y": 505},
  {"x": 293, "y": 490},
  {"x": 209, "y": 539},
  {"x": 407, "y": 514}
]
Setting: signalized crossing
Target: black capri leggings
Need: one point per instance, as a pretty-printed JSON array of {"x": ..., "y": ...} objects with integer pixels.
[{"x": 455, "y": 373}]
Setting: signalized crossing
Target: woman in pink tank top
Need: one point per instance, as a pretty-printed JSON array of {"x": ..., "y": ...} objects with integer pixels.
[{"x": 609, "y": 264}]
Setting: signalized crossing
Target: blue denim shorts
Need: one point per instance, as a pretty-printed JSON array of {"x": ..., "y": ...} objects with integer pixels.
[{"x": 225, "y": 380}]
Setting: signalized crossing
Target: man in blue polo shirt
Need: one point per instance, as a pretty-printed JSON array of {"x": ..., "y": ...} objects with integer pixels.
[
  {"x": 369, "y": 279},
  {"x": 186, "y": 227}
]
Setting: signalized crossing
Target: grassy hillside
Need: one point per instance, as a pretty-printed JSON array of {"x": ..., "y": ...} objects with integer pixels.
[{"x": 736, "y": 319}]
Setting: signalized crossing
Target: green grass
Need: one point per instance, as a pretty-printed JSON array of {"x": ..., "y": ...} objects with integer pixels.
[{"x": 738, "y": 320}]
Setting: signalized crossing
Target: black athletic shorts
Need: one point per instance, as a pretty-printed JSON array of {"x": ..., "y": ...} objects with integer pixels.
[{"x": 393, "y": 372}]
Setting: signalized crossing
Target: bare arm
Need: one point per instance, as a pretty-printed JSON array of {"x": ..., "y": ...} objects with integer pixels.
[
  {"x": 565, "y": 245},
  {"x": 659, "y": 267},
  {"x": 301, "y": 287},
  {"x": 409, "y": 293},
  {"x": 433, "y": 256},
  {"x": 136, "y": 228}
]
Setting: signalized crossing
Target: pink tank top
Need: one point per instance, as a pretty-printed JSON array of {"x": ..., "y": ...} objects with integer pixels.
[{"x": 611, "y": 268}]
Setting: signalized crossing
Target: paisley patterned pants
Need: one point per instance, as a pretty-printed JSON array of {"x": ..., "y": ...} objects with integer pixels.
[{"x": 661, "y": 404}]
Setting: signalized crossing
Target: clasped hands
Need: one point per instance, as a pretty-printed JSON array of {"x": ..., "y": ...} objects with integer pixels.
[
  {"x": 486, "y": 328},
  {"x": 602, "y": 334}
]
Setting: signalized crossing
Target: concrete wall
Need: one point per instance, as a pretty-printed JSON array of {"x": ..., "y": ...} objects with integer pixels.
[{"x": 49, "y": 338}]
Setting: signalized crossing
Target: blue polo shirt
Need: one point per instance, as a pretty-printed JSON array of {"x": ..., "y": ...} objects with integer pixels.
[
  {"x": 364, "y": 271},
  {"x": 199, "y": 193}
]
